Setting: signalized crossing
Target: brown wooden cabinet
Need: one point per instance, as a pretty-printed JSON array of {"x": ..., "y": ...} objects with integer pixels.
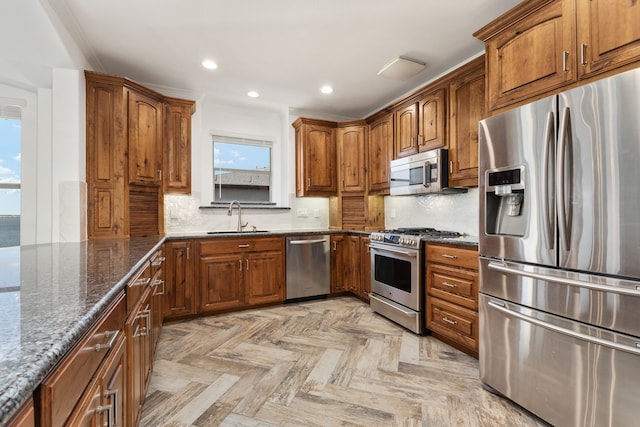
[
  {"x": 432, "y": 119},
  {"x": 239, "y": 273},
  {"x": 467, "y": 108},
  {"x": 25, "y": 416},
  {"x": 452, "y": 295},
  {"x": 608, "y": 34},
  {"x": 125, "y": 143},
  {"x": 351, "y": 259},
  {"x": 145, "y": 138},
  {"x": 365, "y": 268},
  {"x": 157, "y": 295},
  {"x": 379, "y": 154},
  {"x": 180, "y": 283},
  {"x": 406, "y": 131},
  {"x": 316, "y": 162},
  {"x": 531, "y": 50},
  {"x": 85, "y": 373},
  {"x": 540, "y": 46},
  {"x": 338, "y": 274},
  {"x": 351, "y": 143},
  {"x": 177, "y": 145}
]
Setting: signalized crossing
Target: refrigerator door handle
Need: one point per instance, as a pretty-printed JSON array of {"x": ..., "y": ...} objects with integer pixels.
[
  {"x": 507, "y": 269},
  {"x": 548, "y": 207},
  {"x": 501, "y": 307},
  {"x": 564, "y": 145}
]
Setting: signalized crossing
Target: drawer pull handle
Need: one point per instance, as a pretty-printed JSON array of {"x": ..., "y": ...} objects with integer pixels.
[
  {"x": 158, "y": 261},
  {"x": 112, "y": 341},
  {"x": 156, "y": 285},
  {"x": 246, "y": 245},
  {"x": 450, "y": 285},
  {"x": 142, "y": 282},
  {"x": 449, "y": 256},
  {"x": 114, "y": 397},
  {"x": 108, "y": 409},
  {"x": 449, "y": 321}
]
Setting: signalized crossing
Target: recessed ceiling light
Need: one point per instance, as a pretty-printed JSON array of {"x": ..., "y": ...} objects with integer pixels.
[
  {"x": 326, "y": 89},
  {"x": 209, "y": 64},
  {"x": 253, "y": 94}
]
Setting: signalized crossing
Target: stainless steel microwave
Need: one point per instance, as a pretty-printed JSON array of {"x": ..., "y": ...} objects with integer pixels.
[{"x": 422, "y": 173}]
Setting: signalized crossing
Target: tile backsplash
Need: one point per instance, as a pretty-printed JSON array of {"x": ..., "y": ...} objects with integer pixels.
[{"x": 455, "y": 212}]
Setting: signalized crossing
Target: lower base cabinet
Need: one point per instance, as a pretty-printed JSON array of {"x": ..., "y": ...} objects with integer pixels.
[
  {"x": 351, "y": 265},
  {"x": 180, "y": 285},
  {"x": 239, "y": 273},
  {"x": 452, "y": 295}
]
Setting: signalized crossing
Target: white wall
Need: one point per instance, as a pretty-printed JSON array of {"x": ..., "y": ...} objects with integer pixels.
[{"x": 183, "y": 213}]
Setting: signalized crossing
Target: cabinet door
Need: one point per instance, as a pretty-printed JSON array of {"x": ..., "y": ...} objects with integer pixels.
[
  {"x": 316, "y": 161},
  {"x": 177, "y": 147},
  {"x": 113, "y": 378},
  {"x": 138, "y": 357},
  {"x": 145, "y": 140},
  {"x": 608, "y": 34},
  {"x": 351, "y": 155},
  {"x": 220, "y": 282},
  {"x": 380, "y": 153},
  {"x": 365, "y": 267},
  {"x": 338, "y": 283},
  {"x": 534, "y": 55},
  {"x": 467, "y": 109},
  {"x": 106, "y": 160},
  {"x": 432, "y": 121},
  {"x": 351, "y": 267},
  {"x": 406, "y": 131},
  {"x": 89, "y": 412},
  {"x": 179, "y": 280},
  {"x": 264, "y": 277},
  {"x": 157, "y": 307}
]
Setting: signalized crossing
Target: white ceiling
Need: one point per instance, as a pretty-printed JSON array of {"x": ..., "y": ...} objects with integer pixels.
[{"x": 283, "y": 49}]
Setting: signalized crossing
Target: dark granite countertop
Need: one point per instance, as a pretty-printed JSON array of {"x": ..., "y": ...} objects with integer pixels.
[
  {"x": 471, "y": 241},
  {"x": 50, "y": 296}
]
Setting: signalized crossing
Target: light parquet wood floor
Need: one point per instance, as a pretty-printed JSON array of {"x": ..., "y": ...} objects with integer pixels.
[{"x": 321, "y": 363}]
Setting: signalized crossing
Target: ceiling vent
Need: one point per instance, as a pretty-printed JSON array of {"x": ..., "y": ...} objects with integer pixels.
[{"x": 401, "y": 68}]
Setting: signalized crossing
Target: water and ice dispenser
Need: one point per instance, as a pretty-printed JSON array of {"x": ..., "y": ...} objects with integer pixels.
[{"x": 506, "y": 200}]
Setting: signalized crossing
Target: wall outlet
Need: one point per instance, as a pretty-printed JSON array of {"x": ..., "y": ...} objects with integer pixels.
[
  {"x": 316, "y": 213},
  {"x": 303, "y": 212},
  {"x": 393, "y": 212}
]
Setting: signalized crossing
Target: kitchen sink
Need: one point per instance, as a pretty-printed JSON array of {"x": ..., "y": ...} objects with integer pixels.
[{"x": 238, "y": 232}]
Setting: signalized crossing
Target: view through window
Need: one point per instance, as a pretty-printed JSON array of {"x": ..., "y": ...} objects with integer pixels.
[
  {"x": 10, "y": 136},
  {"x": 241, "y": 170}
]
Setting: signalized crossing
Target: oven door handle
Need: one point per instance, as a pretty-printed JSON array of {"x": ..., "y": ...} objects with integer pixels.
[{"x": 395, "y": 251}]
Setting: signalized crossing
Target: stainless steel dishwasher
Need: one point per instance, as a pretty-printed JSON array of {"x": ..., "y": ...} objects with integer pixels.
[{"x": 308, "y": 266}]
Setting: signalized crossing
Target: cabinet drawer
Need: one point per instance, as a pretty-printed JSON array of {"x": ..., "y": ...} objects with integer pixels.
[
  {"x": 460, "y": 257},
  {"x": 236, "y": 245},
  {"x": 61, "y": 391},
  {"x": 137, "y": 285},
  {"x": 454, "y": 322},
  {"x": 453, "y": 284}
]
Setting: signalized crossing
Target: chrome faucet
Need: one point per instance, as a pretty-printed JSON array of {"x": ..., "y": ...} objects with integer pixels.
[{"x": 230, "y": 211}]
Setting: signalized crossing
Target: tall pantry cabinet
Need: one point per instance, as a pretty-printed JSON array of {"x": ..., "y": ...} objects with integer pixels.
[{"x": 133, "y": 135}]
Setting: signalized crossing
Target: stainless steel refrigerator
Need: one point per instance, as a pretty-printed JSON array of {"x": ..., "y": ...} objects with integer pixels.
[{"x": 559, "y": 184}]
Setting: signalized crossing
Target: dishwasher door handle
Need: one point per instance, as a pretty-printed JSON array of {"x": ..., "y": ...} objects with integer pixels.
[{"x": 306, "y": 242}]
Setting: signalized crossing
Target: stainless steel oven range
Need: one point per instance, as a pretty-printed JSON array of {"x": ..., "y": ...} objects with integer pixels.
[{"x": 397, "y": 279}]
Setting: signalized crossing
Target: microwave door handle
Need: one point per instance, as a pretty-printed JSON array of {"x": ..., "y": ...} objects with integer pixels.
[
  {"x": 548, "y": 207},
  {"x": 426, "y": 175}
]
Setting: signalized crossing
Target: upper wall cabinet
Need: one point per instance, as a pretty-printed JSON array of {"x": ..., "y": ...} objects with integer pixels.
[
  {"x": 351, "y": 155},
  {"x": 467, "y": 107},
  {"x": 608, "y": 34},
  {"x": 542, "y": 45},
  {"x": 420, "y": 126},
  {"x": 316, "y": 172},
  {"x": 379, "y": 154},
  {"x": 129, "y": 131},
  {"x": 145, "y": 139},
  {"x": 177, "y": 145},
  {"x": 529, "y": 50}
]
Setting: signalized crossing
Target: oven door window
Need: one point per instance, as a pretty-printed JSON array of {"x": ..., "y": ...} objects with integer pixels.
[{"x": 393, "y": 272}]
